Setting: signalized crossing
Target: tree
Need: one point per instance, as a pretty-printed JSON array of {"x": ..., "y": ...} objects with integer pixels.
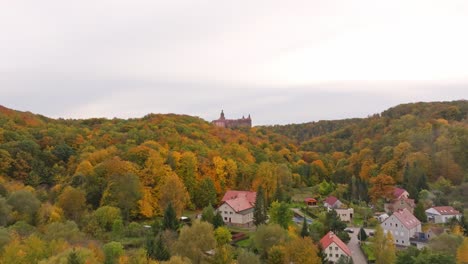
[
  {"x": 462, "y": 252},
  {"x": 362, "y": 234},
  {"x": 205, "y": 193},
  {"x": 25, "y": 204},
  {"x": 277, "y": 255},
  {"x": 106, "y": 215},
  {"x": 194, "y": 241},
  {"x": 260, "y": 209},
  {"x": 73, "y": 203},
  {"x": 112, "y": 251},
  {"x": 173, "y": 191},
  {"x": 305, "y": 228},
  {"x": 208, "y": 214},
  {"x": 302, "y": 250},
  {"x": 73, "y": 258},
  {"x": 383, "y": 247},
  {"x": 223, "y": 236},
  {"x": 247, "y": 257},
  {"x": 345, "y": 260},
  {"x": 123, "y": 191},
  {"x": 170, "y": 219},
  {"x": 420, "y": 213},
  {"x": 177, "y": 260},
  {"x": 218, "y": 220},
  {"x": 281, "y": 214},
  {"x": 267, "y": 236},
  {"x": 382, "y": 187},
  {"x": 156, "y": 249},
  {"x": 223, "y": 255},
  {"x": 5, "y": 211}
]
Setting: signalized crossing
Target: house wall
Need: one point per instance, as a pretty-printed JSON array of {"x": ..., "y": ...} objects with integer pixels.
[
  {"x": 441, "y": 219},
  {"x": 345, "y": 214},
  {"x": 334, "y": 252},
  {"x": 230, "y": 217},
  {"x": 401, "y": 234}
]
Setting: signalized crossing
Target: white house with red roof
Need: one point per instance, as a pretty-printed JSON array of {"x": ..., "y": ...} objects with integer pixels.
[
  {"x": 334, "y": 248},
  {"x": 403, "y": 225},
  {"x": 237, "y": 208},
  {"x": 442, "y": 214},
  {"x": 332, "y": 202}
]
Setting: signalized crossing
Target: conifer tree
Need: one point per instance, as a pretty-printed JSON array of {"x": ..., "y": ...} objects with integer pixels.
[
  {"x": 218, "y": 220},
  {"x": 362, "y": 234},
  {"x": 73, "y": 258},
  {"x": 305, "y": 228},
  {"x": 170, "y": 219},
  {"x": 420, "y": 213},
  {"x": 260, "y": 210}
]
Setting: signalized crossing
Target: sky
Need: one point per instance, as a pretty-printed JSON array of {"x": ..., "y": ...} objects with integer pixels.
[{"x": 280, "y": 61}]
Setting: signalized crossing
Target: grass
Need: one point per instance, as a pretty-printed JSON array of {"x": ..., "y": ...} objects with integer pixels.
[{"x": 368, "y": 251}]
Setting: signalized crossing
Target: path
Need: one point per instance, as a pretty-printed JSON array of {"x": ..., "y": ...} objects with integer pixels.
[{"x": 353, "y": 245}]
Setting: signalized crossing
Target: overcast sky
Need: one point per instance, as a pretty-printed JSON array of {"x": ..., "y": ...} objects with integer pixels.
[{"x": 281, "y": 61}]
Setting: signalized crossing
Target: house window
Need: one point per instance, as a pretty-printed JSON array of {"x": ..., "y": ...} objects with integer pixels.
[
  {"x": 331, "y": 255},
  {"x": 225, "y": 212},
  {"x": 402, "y": 241},
  {"x": 397, "y": 240},
  {"x": 390, "y": 224},
  {"x": 336, "y": 248},
  {"x": 225, "y": 218},
  {"x": 330, "y": 248},
  {"x": 336, "y": 255},
  {"x": 396, "y": 225},
  {"x": 230, "y": 212}
]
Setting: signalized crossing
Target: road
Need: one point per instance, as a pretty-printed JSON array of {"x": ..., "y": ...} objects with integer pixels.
[{"x": 353, "y": 245}]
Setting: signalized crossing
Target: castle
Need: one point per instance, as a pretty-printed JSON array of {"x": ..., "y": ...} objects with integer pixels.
[{"x": 232, "y": 123}]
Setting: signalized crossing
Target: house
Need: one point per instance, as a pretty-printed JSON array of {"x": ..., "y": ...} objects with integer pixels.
[
  {"x": 403, "y": 225},
  {"x": 400, "y": 193},
  {"x": 382, "y": 217},
  {"x": 346, "y": 215},
  {"x": 310, "y": 201},
  {"x": 442, "y": 214},
  {"x": 399, "y": 204},
  {"x": 332, "y": 202},
  {"x": 237, "y": 208},
  {"x": 334, "y": 248}
]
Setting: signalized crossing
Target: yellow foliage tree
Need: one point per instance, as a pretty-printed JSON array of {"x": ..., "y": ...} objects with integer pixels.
[{"x": 462, "y": 252}]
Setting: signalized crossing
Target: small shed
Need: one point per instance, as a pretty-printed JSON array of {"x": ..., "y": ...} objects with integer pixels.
[{"x": 310, "y": 201}]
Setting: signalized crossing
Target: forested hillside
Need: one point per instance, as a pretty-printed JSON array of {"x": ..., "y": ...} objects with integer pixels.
[{"x": 81, "y": 182}]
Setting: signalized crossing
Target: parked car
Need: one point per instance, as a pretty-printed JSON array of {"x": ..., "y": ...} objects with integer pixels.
[{"x": 349, "y": 230}]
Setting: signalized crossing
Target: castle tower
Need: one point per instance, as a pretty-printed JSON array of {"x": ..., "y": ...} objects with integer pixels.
[{"x": 222, "y": 115}]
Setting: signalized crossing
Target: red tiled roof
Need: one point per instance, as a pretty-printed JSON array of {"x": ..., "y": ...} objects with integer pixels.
[
  {"x": 330, "y": 238},
  {"x": 406, "y": 218},
  {"x": 310, "y": 200},
  {"x": 398, "y": 192},
  {"x": 446, "y": 210},
  {"x": 331, "y": 200},
  {"x": 240, "y": 200},
  {"x": 231, "y": 194}
]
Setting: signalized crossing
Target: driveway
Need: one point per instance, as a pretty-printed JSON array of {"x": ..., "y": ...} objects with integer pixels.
[{"x": 353, "y": 245}]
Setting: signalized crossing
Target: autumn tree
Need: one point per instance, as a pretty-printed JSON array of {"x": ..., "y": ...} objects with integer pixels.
[
  {"x": 247, "y": 257},
  {"x": 123, "y": 191},
  {"x": 267, "y": 236},
  {"x": 173, "y": 191},
  {"x": 73, "y": 203},
  {"x": 383, "y": 247},
  {"x": 25, "y": 204},
  {"x": 382, "y": 187},
  {"x": 462, "y": 252},
  {"x": 302, "y": 250}
]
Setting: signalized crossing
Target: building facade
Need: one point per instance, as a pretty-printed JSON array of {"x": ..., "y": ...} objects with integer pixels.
[
  {"x": 237, "y": 208},
  {"x": 403, "y": 225},
  {"x": 442, "y": 214}
]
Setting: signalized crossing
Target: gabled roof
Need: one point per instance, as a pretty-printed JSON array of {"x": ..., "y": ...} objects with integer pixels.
[
  {"x": 398, "y": 192},
  {"x": 240, "y": 200},
  {"x": 406, "y": 218},
  {"x": 330, "y": 238},
  {"x": 232, "y": 194},
  {"x": 310, "y": 200},
  {"x": 446, "y": 210},
  {"x": 331, "y": 200}
]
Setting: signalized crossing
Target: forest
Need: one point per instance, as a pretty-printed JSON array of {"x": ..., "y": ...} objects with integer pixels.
[{"x": 110, "y": 190}]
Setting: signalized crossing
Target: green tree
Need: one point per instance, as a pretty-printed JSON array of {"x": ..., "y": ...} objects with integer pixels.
[
  {"x": 383, "y": 247},
  {"x": 267, "y": 236},
  {"x": 223, "y": 236},
  {"x": 205, "y": 193},
  {"x": 218, "y": 220},
  {"x": 305, "y": 228},
  {"x": 260, "y": 209},
  {"x": 106, "y": 215},
  {"x": 170, "y": 219},
  {"x": 25, "y": 204},
  {"x": 247, "y": 257},
  {"x": 123, "y": 191},
  {"x": 5, "y": 211},
  {"x": 281, "y": 214},
  {"x": 73, "y": 258},
  {"x": 208, "y": 214},
  {"x": 362, "y": 236},
  {"x": 156, "y": 249},
  {"x": 194, "y": 241},
  {"x": 420, "y": 213},
  {"x": 112, "y": 251}
]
